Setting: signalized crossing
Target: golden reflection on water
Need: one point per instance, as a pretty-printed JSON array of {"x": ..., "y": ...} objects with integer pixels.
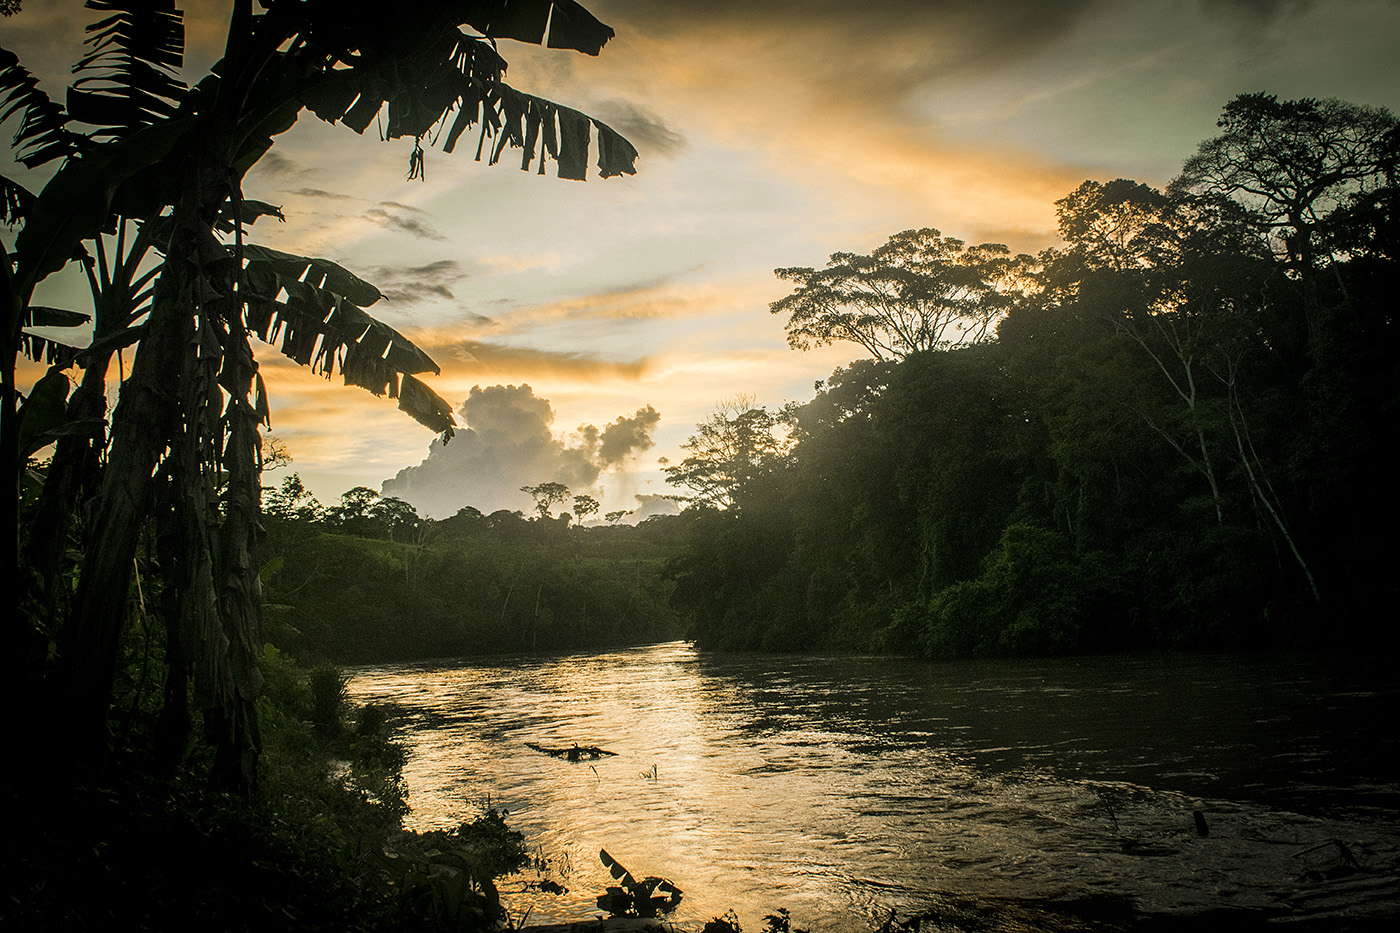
[{"x": 837, "y": 790}]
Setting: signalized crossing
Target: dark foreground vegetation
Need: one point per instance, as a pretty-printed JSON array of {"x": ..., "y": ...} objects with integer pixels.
[
  {"x": 178, "y": 772},
  {"x": 318, "y": 847},
  {"x": 1172, "y": 431}
]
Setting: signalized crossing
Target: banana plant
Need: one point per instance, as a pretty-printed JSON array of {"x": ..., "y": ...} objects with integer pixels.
[{"x": 169, "y": 158}]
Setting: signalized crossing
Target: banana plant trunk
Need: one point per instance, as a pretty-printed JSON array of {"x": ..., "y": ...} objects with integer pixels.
[
  {"x": 186, "y": 417},
  {"x": 142, "y": 426}
]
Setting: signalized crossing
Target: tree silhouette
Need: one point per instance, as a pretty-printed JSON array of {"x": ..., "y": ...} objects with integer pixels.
[
  {"x": 585, "y": 506},
  {"x": 546, "y": 495},
  {"x": 165, "y": 161},
  {"x": 736, "y": 444},
  {"x": 919, "y": 291},
  {"x": 1295, "y": 162}
]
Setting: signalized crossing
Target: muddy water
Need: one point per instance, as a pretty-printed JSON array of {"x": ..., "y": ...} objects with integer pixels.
[{"x": 841, "y": 788}]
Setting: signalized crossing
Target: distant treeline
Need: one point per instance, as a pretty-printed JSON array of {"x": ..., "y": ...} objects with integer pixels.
[
  {"x": 1177, "y": 432},
  {"x": 368, "y": 580},
  {"x": 1172, "y": 431}
]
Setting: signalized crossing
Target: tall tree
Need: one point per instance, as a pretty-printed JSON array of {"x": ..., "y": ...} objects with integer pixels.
[
  {"x": 1319, "y": 176},
  {"x": 918, "y": 291},
  {"x": 546, "y": 496},
  {"x": 585, "y": 506},
  {"x": 1183, "y": 277},
  {"x": 736, "y": 445},
  {"x": 1295, "y": 162}
]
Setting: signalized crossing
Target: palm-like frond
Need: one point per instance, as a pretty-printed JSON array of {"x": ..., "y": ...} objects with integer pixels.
[
  {"x": 557, "y": 24},
  {"x": 43, "y": 349},
  {"x": 39, "y": 316},
  {"x": 77, "y": 201},
  {"x": 129, "y": 72},
  {"x": 43, "y": 133},
  {"x": 364, "y": 24},
  {"x": 450, "y": 80},
  {"x": 311, "y": 309}
]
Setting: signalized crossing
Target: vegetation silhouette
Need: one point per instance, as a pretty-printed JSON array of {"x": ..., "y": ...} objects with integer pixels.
[
  {"x": 918, "y": 291},
  {"x": 160, "y": 169},
  {"x": 378, "y": 583},
  {"x": 141, "y": 687},
  {"x": 1168, "y": 431}
]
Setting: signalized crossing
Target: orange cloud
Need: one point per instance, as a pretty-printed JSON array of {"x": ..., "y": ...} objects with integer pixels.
[{"x": 481, "y": 361}]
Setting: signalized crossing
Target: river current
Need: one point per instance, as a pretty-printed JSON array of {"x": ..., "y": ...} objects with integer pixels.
[{"x": 843, "y": 788}]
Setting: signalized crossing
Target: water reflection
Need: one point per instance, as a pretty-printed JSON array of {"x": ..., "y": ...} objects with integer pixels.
[{"x": 839, "y": 788}]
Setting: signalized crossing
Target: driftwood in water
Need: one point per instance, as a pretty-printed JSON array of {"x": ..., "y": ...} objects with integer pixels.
[{"x": 573, "y": 752}]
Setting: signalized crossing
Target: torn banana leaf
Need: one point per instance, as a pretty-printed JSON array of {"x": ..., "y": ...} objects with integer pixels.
[{"x": 310, "y": 309}]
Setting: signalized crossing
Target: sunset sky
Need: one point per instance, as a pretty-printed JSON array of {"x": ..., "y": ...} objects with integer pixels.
[{"x": 771, "y": 134}]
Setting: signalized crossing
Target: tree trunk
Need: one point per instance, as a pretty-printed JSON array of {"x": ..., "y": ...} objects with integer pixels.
[
  {"x": 146, "y": 418},
  {"x": 73, "y": 473},
  {"x": 238, "y": 588},
  {"x": 1259, "y": 484}
]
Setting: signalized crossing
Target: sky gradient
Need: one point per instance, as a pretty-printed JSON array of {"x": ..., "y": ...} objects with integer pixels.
[{"x": 771, "y": 135}]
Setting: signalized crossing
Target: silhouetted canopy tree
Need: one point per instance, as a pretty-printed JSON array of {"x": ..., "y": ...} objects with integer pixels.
[
  {"x": 1319, "y": 178},
  {"x": 1136, "y": 260},
  {"x": 166, "y": 161},
  {"x": 1184, "y": 278},
  {"x": 546, "y": 496},
  {"x": 1117, "y": 225},
  {"x": 918, "y": 291},
  {"x": 291, "y": 501},
  {"x": 585, "y": 506},
  {"x": 737, "y": 444},
  {"x": 1295, "y": 162}
]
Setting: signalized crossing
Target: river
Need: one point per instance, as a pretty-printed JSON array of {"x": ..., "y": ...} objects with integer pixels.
[{"x": 842, "y": 788}]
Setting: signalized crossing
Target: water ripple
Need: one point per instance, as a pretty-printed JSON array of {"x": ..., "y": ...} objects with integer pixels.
[{"x": 842, "y": 788}]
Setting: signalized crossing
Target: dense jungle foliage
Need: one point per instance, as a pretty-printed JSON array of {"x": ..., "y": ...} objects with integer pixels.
[
  {"x": 368, "y": 580},
  {"x": 1177, "y": 434},
  {"x": 182, "y": 772}
]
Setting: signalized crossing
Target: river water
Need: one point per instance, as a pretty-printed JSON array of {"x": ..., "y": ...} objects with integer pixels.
[{"x": 843, "y": 788}]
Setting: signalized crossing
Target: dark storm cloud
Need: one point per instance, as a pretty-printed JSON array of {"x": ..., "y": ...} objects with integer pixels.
[
  {"x": 507, "y": 443},
  {"x": 845, "y": 40},
  {"x": 1266, "y": 11},
  {"x": 645, "y": 129}
]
